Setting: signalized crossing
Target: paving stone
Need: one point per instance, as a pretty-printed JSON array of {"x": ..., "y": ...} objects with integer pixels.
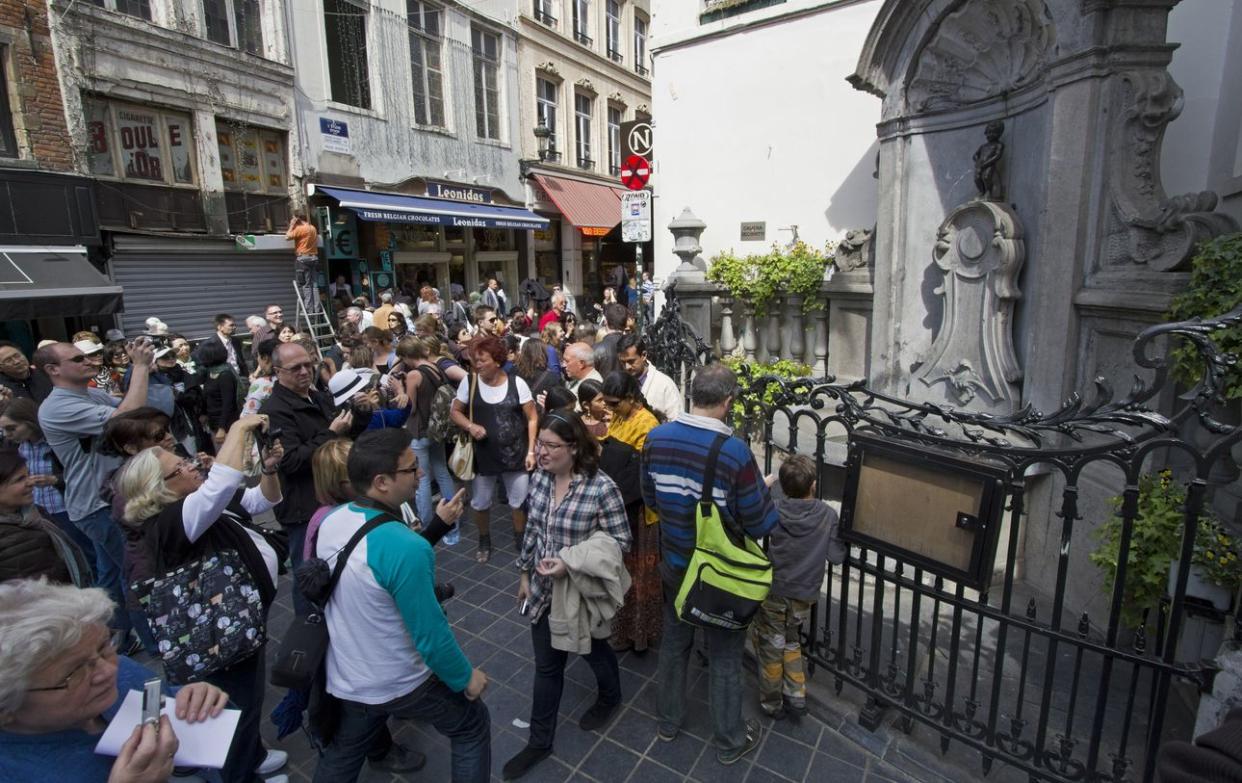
[
  {"x": 649, "y": 772},
  {"x": 476, "y": 621},
  {"x": 644, "y": 664},
  {"x": 632, "y": 730},
  {"x": 759, "y": 774},
  {"x": 827, "y": 768},
  {"x": 505, "y": 745},
  {"x": 573, "y": 744},
  {"x": 879, "y": 772},
  {"x": 876, "y": 742},
  {"x": 803, "y": 729},
  {"x": 843, "y": 749},
  {"x": 609, "y": 762},
  {"x": 785, "y": 756},
  {"x": 710, "y": 770},
  {"x": 680, "y": 754}
]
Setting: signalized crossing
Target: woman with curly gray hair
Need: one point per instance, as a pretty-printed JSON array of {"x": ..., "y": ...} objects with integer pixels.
[{"x": 62, "y": 682}]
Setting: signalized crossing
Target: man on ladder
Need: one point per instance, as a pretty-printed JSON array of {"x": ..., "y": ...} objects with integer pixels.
[{"x": 306, "y": 248}]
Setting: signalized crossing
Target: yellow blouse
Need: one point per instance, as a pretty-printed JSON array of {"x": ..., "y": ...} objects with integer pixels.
[{"x": 632, "y": 431}]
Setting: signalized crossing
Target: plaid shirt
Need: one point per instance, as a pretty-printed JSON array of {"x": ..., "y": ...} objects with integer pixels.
[
  {"x": 591, "y": 504},
  {"x": 39, "y": 463}
]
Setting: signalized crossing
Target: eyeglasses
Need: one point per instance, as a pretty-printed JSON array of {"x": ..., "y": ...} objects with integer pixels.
[
  {"x": 184, "y": 466},
  {"x": 546, "y": 446},
  {"x": 297, "y": 368},
  {"x": 78, "y": 359},
  {"x": 106, "y": 652}
]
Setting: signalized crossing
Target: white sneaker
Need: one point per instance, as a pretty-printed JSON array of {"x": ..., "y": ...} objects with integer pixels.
[
  {"x": 274, "y": 761},
  {"x": 277, "y": 779}
]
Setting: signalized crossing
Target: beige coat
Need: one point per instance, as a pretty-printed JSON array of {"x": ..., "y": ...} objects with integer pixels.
[{"x": 589, "y": 596}]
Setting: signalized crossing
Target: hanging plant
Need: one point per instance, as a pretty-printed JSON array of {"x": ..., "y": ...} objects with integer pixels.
[
  {"x": 758, "y": 279},
  {"x": 1215, "y": 289}
]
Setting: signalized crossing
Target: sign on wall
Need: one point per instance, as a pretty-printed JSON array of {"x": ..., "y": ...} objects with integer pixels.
[
  {"x": 636, "y": 216},
  {"x": 754, "y": 231},
  {"x": 454, "y": 192},
  {"x": 335, "y": 135},
  {"x": 637, "y": 138}
]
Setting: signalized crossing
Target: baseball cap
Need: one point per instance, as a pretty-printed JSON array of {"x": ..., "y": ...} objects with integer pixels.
[
  {"x": 88, "y": 347},
  {"x": 114, "y": 335},
  {"x": 344, "y": 385}
]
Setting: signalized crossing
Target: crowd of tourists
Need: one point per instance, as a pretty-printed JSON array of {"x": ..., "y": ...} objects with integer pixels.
[{"x": 129, "y": 463}]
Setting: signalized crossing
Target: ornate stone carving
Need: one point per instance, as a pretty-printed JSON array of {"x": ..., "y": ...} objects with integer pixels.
[
  {"x": 854, "y": 251},
  {"x": 549, "y": 68},
  {"x": 584, "y": 84},
  {"x": 983, "y": 49},
  {"x": 989, "y": 181},
  {"x": 642, "y": 108},
  {"x": 1148, "y": 227},
  {"x": 980, "y": 249},
  {"x": 618, "y": 99}
]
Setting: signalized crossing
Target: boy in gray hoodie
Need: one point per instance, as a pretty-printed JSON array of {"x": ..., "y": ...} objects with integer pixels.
[{"x": 798, "y": 547}]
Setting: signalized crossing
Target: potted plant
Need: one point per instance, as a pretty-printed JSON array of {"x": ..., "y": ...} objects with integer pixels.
[
  {"x": 1215, "y": 288},
  {"x": 756, "y": 280},
  {"x": 1155, "y": 543}
]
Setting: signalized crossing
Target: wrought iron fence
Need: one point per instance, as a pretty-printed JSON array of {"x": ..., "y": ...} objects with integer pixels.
[{"x": 1022, "y": 675}]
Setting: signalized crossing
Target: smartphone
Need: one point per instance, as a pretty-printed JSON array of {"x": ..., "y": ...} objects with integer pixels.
[
  {"x": 524, "y": 609},
  {"x": 151, "y": 702}
]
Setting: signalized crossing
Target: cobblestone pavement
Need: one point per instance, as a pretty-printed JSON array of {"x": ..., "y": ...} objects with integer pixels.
[{"x": 494, "y": 637}]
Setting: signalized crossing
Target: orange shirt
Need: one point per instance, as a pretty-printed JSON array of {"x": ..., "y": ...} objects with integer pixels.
[{"x": 305, "y": 240}]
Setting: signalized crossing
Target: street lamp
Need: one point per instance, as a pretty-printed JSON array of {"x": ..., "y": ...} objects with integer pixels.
[{"x": 547, "y": 150}]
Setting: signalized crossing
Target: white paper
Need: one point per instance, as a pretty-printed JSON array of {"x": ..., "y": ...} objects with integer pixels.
[{"x": 203, "y": 744}]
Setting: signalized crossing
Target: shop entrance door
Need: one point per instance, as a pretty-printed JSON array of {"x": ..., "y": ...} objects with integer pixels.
[{"x": 418, "y": 268}]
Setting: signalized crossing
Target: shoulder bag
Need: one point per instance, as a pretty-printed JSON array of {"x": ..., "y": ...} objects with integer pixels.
[
  {"x": 729, "y": 575},
  {"x": 462, "y": 460}
]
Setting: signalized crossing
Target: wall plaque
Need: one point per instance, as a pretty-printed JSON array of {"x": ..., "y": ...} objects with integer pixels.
[{"x": 754, "y": 232}]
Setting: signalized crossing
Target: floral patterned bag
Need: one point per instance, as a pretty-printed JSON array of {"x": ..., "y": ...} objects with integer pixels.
[{"x": 205, "y": 615}]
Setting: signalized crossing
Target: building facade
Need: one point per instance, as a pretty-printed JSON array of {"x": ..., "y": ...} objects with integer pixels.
[
  {"x": 585, "y": 69},
  {"x": 180, "y": 111}
]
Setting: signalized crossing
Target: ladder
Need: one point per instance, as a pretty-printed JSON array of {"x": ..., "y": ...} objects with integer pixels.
[{"x": 316, "y": 323}]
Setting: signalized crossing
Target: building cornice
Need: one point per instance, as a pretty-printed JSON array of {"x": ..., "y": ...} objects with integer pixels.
[{"x": 531, "y": 31}]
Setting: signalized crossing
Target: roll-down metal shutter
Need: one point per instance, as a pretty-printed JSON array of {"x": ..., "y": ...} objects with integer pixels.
[{"x": 186, "y": 282}]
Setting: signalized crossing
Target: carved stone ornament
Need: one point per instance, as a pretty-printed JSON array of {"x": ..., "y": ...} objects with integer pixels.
[
  {"x": 642, "y": 108},
  {"x": 983, "y": 49},
  {"x": 618, "y": 99},
  {"x": 548, "y": 68},
  {"x": 1148, "y": 227},
  {"x": 981, "y": 251},
  {"x": 854, "y": 251},
  {"x": 584, "y": 84}
]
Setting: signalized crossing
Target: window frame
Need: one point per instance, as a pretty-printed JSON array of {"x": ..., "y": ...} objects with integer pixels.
[
  {"x": 9, "y": 148},
  {"x": 640, "y": 43},
  {"x": 612, "y": 30},
  {"x": 543, "y": 105},
  {"x": 362, "y": 85},
  {"x": 168, "y": 179},
  {"x": 422, "y": 74},
  {"x": 582, "y": 21},
  {"x": 582, "y": 130},
  {"x": 614, "y": 138},
  {"x": 112, "y": 5},
  {"x": 543, "y": 13},
  {"x": 482, "y": 66},
  {"x": 224, "y": 125}
]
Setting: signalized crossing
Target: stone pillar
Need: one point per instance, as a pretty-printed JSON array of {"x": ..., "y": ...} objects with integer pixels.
[
  {"x": 793, "y": 327},
  {"x": 748, "y": 331},
  {"x": 690, "y": 277},
  {"x": 727, "y": 340},
  {"x": 211, "y": 177},
  {"x": 772, "y": 334},
  {"x": 820, "y": 366}
]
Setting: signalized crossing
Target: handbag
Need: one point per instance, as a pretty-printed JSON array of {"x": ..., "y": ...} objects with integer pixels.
[
  {"x": 729, "y": 575},
  {"x": 462, "y": 460},
  {"x": 205, "y": 615},
  {"x": 305, "y": 644}
]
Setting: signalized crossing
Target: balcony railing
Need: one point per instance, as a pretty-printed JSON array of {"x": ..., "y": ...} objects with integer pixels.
[
  {"x": 586, "y": 163},
  {"x": 615, "y": 56},
  {"x": 640, "y": 70},
  {"x": 582, "y": 38},
  {"x": 614, "y": 170},
  {"x": 545, "y": 18}
]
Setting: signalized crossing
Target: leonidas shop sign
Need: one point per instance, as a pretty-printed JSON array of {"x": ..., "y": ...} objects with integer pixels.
[{"x": 448, "y": 190}]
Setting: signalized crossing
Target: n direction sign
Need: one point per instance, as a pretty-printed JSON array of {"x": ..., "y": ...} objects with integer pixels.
[{"x": 637, "y": 138}]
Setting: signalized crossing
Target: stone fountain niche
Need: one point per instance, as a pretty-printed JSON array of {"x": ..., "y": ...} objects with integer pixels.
[{"x": 990, "y": 295}]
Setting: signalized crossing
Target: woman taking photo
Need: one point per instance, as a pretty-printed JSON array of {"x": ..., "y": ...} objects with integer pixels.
[
  {"x": 62, "y": 682},
  {"x": 423, "y": 378},
  {"x": 219, "y": 389},
  {"x": 184, "y": 517},
  {"x": 570, "y": 500},
  {"x": 638, "y": 624},
  {"x": 503, "y": 429}
]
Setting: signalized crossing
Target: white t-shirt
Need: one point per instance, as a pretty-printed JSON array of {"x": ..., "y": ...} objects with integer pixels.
[{"x": 493, "y": 394}]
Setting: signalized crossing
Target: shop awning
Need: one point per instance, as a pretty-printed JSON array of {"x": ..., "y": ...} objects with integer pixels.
[
  {"x": 43, "y": 282},
  {"x": 398, "y": 208},
  {"x": 584, "y": 204}
]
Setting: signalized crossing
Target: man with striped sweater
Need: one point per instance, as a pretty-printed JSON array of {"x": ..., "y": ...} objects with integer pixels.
[{"x": 674, "y": 459}]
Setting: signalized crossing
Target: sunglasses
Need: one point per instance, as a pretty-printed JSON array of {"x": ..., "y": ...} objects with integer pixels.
[{"x": 79, "y": 359}]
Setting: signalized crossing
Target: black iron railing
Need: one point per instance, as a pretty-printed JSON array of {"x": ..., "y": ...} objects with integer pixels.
[
  {"x": 1021, "y": 672},
  {"x": 545, "y": 18}
]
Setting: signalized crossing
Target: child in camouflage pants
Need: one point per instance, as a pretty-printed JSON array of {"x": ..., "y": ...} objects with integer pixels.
[{"x": 798, "y": 547}]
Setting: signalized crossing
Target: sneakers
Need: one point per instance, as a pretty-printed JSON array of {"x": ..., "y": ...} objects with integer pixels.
[
  {"x": 597, "y": 716},
  {"x": 751, "y": 741},
  {"x": 666, "y": 733},
  {"x": 274, "y": 761},
  {"x": 522, "y": 763},
  {"x": 399, "y": 758},
  {"x": 277, "y": 779}
]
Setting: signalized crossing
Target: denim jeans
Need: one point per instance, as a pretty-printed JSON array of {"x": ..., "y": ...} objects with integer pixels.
[
  {"x": 245, "y": 684},
  {"x": 74, "y": 532},
  {"x": 434, "y": 462},
  {"x": 464, "y": 722},
  {"x": 109, "y": 545},
  {"x": 297, "y": 542},
  {"x": 724, "y": 684},
  {"x": 550, "y": 680},
  {"x": 306, "y": 269}
]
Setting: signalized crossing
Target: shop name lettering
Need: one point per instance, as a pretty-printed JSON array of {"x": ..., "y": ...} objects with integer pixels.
[
  {"x": 409, "y": 217},
  {"x": 459, "y": 194}
]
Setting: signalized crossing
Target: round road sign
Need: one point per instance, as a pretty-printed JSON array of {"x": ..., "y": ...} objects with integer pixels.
[{"x": 635, "y": 172}]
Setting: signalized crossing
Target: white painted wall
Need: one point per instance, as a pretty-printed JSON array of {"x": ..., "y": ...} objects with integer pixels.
[
  {"x": 387, "y": 146},
  {"x": 760, "y": 125}
]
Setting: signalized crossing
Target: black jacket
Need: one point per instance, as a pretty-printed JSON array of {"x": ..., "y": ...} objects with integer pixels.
[
  {"x": 243, "y": 369},
  {"x": 31, "y": 546},
  {"x": 303, "y": 428}
]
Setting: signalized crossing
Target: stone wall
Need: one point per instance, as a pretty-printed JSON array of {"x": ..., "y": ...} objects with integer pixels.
[{"x": 34, "y": 92}]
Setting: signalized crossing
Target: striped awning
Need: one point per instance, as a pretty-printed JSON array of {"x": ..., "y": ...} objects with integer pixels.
[{"x": 584, "y": 204}]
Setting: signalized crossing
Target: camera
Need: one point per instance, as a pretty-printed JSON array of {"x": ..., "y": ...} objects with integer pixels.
[{"x": 266, "y": 439}]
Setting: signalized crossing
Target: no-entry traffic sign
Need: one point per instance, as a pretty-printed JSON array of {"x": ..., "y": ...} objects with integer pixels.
[{"x": 635, "y": 172}]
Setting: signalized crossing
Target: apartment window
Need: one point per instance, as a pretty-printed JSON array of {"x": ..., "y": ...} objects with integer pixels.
[
  {"x": 543, "y": 12},
  {"x": 423, "y": 21},
  {"x": 545, "y": 111},
  {"x": 8, "y": 139},
  {"x": 582, "y": 21},
  {"x": 486, "y": 83},
  {"x": 252, "y": 160},
  {"x": 216, "y": 18},
  {"x": 249, "y": 26},
  {"x": 138, "y": 8},
  {"x": 582, "y": 126},
  {"x": 139, "y": 143},
  {"x": 640, "y": 45},
  {"x": 614, "y": 140},
  {"x": 345, "y": 28},
  {"x": 613, "y": 12}
]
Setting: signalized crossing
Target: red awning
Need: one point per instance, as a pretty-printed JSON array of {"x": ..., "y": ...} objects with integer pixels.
[{"x": 584, "y": 204}]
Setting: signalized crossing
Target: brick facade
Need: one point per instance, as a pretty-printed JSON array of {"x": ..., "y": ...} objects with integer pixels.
[{"x": 34, "y": 90}]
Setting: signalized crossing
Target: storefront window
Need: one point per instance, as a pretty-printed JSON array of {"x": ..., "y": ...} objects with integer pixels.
[
  {"x": 251, "y": 159},
  {"x": 493, "y": 239},
  {"x": 179, "y": 148},
  {"x": 455, "y": 236},
  {"x": 139, "y": 143},
  {"x": 416, "y": 237},
  {"x": 138, "y": 132},
  {"x": 98, "y": 139}
]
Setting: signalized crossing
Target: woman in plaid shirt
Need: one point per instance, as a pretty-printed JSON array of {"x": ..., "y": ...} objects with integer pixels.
[{"x": 570, "y": 498}]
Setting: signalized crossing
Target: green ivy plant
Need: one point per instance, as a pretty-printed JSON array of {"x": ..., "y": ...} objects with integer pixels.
[
  {"x": 1155, "y": 544},
  {"x": 758, "y": 279},
  {"x": 752, "y": 396},
  {"x": 1215, "y": 289}
]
